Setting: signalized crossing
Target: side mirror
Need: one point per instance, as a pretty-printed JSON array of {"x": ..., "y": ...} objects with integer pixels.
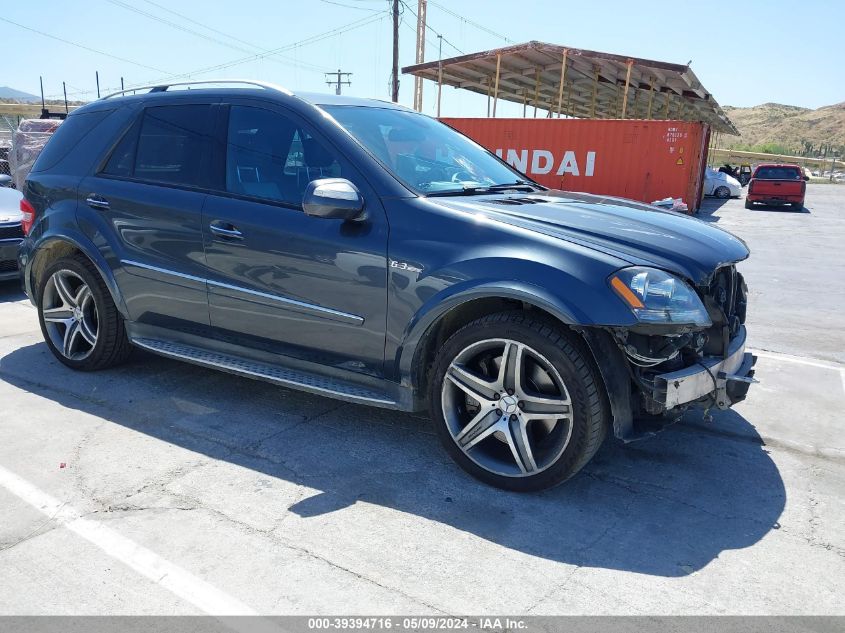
[
  {"x": 5, "y": 180},
  {"x": 806, "y": 177},
  {"x": 333, "y": 199}
]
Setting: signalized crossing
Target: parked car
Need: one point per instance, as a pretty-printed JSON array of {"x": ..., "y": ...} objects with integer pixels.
[
  {"x": 11, "y": 233},
  {"x": 719, "y": 184},
  {"x": 777, "y": 184},
  {"x": 392, "y": 262}
]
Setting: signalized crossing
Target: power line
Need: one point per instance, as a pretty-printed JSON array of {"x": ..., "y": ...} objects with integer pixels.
[
  {"x": 348, "y": 6},
  {"x": 82, "y": 46},
  {"x": 356, "y": 24},
  {"x": 208, "y": 38},
  {"x": 480, "y": 27},
  {"x": 430, "y": 28}
]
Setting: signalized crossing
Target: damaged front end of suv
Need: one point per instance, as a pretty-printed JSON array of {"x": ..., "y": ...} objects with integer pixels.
[{"x": 687, "y": 349}]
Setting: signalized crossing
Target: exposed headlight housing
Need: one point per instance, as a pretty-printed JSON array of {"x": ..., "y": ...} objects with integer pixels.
[{"x": 656, "y": 296}]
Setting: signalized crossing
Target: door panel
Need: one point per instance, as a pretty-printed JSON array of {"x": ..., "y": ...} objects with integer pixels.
[
  {"x": 309, "y": 288},
  {"x": 147, "y": 199}
]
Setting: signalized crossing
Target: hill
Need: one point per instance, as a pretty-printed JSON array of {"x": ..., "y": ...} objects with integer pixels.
[
  {"x": 10, "y": 94},
  {"x": 796, "y": 130}
]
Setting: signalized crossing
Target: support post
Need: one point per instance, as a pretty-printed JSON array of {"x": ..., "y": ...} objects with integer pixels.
[
  {"x": 666, "y": 111},
  {"x": 562, "y": 81},
  {"x": 595, "y": 92},
  {"x": 536, "y": 90},
  {"x": 627, "y": 86},
  {"x": 439, "y": 72},
  {"x": 394, "y": 76},
  {"x": 418, "y": 81},
  {"x": 496, "y": 89},
  {"x": 650, "y": 96},
  {"x": 489, "y": 87}
]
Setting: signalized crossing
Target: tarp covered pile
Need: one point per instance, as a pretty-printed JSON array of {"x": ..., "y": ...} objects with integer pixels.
[{"x": 27, "y": 142}]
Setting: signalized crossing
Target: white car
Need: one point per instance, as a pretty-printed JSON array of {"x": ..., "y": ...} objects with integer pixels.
[
  {"x": 11, "y": 233},
  {"x": 719, "y": 184}
]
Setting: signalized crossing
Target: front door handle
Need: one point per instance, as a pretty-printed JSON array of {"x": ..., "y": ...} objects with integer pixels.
[
  {"x": 225, "y": 230},
  {"x": 97, "y": 202}
]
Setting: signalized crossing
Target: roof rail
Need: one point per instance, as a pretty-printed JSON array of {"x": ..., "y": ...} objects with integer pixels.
[{"x": 162, "y": 87}]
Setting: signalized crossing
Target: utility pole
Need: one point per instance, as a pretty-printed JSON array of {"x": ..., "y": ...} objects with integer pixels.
[
  {"x": 418, "y": 81},
  {"x": 394, "y": 76},
  {"x": 336, "y": 82}
]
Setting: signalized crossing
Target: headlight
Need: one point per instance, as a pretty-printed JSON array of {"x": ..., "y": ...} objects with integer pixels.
[{"x": 656, "y": 296}]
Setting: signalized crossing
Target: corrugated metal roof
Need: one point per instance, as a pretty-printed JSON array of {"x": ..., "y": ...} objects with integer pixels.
[{"x": 593, "y": 87}]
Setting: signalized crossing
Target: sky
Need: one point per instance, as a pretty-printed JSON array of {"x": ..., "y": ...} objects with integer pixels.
[{"x": 745, "y": 53}]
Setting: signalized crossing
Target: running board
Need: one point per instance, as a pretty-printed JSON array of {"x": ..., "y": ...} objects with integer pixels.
[{"x": 303, "y": 381}]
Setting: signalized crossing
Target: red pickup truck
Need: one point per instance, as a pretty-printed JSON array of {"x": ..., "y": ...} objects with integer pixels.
[{"x": 777, "y": 184}]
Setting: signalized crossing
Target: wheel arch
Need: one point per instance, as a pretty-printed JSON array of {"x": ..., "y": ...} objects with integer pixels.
[
  {"x": 50, "y": 248},
  {"x": 432, "y": 327}
]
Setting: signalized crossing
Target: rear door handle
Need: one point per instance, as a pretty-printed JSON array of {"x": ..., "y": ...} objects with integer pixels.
[
  {"x": 97, "y": 202},
  {"x": 226, "y": 230}
]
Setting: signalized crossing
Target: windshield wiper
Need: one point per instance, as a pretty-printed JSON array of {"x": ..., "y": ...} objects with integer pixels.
[{"x": 519, "y": 185}]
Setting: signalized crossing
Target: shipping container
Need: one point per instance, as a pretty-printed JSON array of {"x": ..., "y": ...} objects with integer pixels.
[{"x": 637, "y": 159}]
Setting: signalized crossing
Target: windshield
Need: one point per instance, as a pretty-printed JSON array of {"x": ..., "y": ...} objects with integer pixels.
[{"x": 426, "y": 155}]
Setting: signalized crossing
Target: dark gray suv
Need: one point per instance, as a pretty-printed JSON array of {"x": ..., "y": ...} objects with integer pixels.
[{"x": 360, "y": 250}]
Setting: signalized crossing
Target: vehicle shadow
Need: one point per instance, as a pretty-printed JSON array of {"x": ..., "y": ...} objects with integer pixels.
[
  {"x": 708, "y": 207},
  {"x": 779, "y": 208},
  {"x": 665, "y": 506},
  {"x": 11, "y": 291}
]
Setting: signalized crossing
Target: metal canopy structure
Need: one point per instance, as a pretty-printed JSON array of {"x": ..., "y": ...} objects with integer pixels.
[{"x": 579, "y": 83}]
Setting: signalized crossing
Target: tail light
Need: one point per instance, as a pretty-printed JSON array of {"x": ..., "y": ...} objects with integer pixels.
[
  {"x": 750, "y": 186},
  {"x": 28, "y": 212}
]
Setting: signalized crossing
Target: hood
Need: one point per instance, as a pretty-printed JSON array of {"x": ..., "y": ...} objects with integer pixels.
[
  {"x": 634, "y": 232},
  {"x": 10, "y": 205}
]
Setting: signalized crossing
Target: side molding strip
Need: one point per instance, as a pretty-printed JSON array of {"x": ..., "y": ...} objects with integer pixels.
[{"x": 336, "y": 315}]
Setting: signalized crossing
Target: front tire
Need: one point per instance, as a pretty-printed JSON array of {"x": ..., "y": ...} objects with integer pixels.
[
  {"x": 78, "y": 318},
  {"x": 723, "y": 193},
  {"x": 516, "y": 402}
]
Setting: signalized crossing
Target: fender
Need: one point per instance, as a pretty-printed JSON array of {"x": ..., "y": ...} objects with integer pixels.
[
  {"x": 30, "y": 251},
  {"x": 453, "y": 296}
]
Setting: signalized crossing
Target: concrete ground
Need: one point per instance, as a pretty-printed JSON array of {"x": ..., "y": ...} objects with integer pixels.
[{"x": 162, "y": 488}]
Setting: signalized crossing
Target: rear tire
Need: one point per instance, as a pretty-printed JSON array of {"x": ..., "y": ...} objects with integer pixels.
[
  {"x": 723, "y": 193},
  {"x": 79, "y": 321},
  {"x": 529, "y": 427},
  {"x": 797, "y": 206},
  {"x": 749, "y": 204}
]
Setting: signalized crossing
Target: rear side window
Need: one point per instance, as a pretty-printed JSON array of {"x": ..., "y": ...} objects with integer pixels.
[
  {"x": 778, "y": 173},
  {"x": 171, "y": 144},
  {"x": 66, "y": 138}
]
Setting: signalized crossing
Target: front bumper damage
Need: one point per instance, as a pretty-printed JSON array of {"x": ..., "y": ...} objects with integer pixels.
[{"x": 714, "y": 379}]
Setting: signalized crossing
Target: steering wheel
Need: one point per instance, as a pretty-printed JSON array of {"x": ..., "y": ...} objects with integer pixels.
[{"x": 458, "y": 176}]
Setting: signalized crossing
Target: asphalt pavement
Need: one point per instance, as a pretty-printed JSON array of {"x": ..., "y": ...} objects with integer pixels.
[{"x": 163, "y": 488}]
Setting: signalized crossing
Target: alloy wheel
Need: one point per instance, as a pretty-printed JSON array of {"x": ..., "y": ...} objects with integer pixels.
[
  {"x": 507, "y": 407},
  {"x": 70, "y": 315}
]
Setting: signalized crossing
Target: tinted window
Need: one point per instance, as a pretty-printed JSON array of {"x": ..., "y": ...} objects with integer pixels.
[
  {"x": 122, "y": 159},
  {"x": 423, "y": 153},
  {"x": 173, "y": 144},
  {"x": 270, "y": 156},
  {"x": 65, "y": 137},
  {"x": 778, "y": 173}
]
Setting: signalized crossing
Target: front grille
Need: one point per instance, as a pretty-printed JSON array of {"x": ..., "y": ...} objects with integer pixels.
[
  {"x": 10, "y": 231},
  {"x": 8, "y": 266},
  {"x": 725, "y": 299},
  {"x": 728, "y": 292}
]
